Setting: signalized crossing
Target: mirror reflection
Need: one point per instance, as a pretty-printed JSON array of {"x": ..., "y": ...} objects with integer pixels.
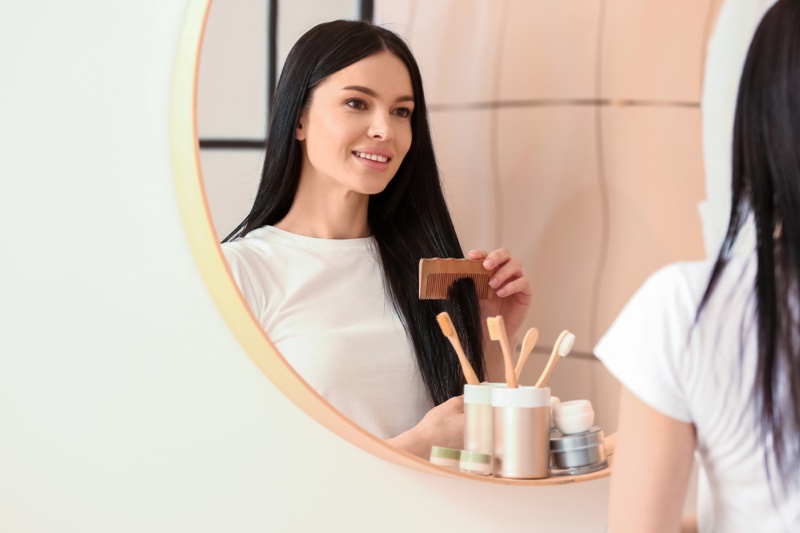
[
  {"x": 542, "y": 128},
  {"x": 349, "y": 200}
]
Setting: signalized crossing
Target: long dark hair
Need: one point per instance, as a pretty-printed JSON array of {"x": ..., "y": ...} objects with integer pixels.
[
  {"x": 766, "y": 184},
  {"x": 409, "y": 219}
]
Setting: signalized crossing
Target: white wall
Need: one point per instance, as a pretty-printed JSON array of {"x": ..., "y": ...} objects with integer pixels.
[{"x": 125, "y": 402}]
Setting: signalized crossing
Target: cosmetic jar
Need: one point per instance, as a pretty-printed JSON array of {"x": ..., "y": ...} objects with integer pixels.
[
  {"x": 554, "y": 400},
  {"x": 575, "y": 416},
  {"x": 475, "y": 463},
  {"x": 445, "y": 456},
  {"x": 478, "y": 417},
  {"x": 579, "y": 453},
  {"x": 521, "y": 423}
]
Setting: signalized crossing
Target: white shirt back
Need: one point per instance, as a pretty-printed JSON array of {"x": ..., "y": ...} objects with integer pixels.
[{"x": 703, "y": 375}]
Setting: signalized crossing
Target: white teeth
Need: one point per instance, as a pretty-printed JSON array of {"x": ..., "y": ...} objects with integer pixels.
[{"x": 372, "y": 157}]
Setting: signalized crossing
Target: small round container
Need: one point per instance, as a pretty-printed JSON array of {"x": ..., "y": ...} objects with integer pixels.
[
  {"x": 578, "y": 454},
  {"x": 447, "y": 457},
  {"x": 573, "y": 417},
  {"x": 475, "y": 463},
  {"x": 554, "y": 400}
]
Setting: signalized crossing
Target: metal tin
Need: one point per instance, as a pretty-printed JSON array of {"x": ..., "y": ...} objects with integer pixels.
[{"x": 578, "y": 453}]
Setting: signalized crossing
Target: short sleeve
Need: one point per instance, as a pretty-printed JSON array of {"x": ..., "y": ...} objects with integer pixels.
[
  {"x": 244, "y": 279},
  {"x": 646, "y": 344}
]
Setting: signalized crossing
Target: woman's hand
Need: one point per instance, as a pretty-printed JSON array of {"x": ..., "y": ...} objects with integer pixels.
[
  {"x": 513, "y": 291},
  {"x": 441, "y": 426}
]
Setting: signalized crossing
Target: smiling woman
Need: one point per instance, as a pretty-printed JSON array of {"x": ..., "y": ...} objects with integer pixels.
[
  {"x": 202, "y": 239},
  {"x": 350, "y": 199},
  {"x": 355, "y": 132},
  {"x": 215, "y": 270}
]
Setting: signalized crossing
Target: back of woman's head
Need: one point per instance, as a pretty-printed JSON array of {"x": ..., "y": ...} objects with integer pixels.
[
  {"x": 766, "y": 184},
  {"x": 319, "y": 53},
  {"x": 767, "y": 125}
]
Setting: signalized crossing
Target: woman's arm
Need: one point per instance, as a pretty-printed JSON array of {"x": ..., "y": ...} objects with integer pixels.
[{"x": 652, "y": 463}]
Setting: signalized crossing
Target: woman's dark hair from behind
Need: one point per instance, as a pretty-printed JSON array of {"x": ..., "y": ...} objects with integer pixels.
[
  {"x": 766, "y": 183},
  {"x": 409, "y": 219}
]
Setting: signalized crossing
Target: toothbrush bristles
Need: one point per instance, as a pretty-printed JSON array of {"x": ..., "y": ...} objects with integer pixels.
[
  {"x": 566, "y": 345},
  {"x": 492, "y": 325},
  {"x": 446, "y": 324}
]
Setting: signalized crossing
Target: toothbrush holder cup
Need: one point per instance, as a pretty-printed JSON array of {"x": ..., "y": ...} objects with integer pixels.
[
  {"x": 521, "y": 432},
  {"x": 478, "y": 417}
]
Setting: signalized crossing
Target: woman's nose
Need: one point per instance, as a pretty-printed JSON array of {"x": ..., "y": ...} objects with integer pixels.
[{"x": 381, "y": 127}]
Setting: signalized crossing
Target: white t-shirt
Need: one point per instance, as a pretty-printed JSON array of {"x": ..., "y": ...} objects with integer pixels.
[
  {"x": 323, "y": 304},
  {"x": 704, "y": 376}
]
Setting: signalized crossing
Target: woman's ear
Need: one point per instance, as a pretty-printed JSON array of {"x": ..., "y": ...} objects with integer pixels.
[{"x": 300, "y": 132}]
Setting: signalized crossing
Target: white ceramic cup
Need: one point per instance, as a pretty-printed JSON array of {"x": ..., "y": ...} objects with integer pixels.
[{"x": 575, "y": 416}]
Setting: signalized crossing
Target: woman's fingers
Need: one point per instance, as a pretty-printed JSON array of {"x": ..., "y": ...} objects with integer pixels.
[
  {"x": 520, "y": 286},
  {"x": 509, "y": 277}
]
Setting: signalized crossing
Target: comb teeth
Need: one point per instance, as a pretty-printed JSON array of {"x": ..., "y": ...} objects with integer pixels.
[
  {"x": 437, "y": 275},
  {"x": 438, "y": 285}
]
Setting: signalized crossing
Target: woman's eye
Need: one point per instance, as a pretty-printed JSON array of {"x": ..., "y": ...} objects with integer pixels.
[
  {"x": 355, "y": 103},
  {"x": 403, "y": 112}
]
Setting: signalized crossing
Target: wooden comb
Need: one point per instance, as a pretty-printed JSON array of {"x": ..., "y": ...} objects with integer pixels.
[{"x": 437, "y": 275}]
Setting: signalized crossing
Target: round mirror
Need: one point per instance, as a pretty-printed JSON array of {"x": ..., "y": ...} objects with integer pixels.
[{"x": 577, "y": 151}]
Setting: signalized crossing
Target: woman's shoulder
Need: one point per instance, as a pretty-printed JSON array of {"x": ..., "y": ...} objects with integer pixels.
[
  {"x": 257, "y": 240},
  {"x": 251, "y": 258},
  {"x": 679, "y": 282},
  {"x": 686, "y": 281},
  {"x": 259, "y": 248}
]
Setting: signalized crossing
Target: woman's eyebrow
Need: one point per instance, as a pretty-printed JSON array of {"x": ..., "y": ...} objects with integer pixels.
[{"x": 373, "y": 94}]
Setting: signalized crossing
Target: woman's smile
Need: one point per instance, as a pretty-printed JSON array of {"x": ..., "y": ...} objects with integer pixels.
[
  {"x": 362, "y": 112},
  {"x": 377, "y": 159}
]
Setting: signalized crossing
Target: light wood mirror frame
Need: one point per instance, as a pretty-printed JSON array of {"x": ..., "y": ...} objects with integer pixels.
[{"x": 214, "y": 270}]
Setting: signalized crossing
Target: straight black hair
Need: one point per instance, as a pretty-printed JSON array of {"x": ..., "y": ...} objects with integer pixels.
[
  {"x": 766, "y": 184},
  {"x": 409, "y": 219}
]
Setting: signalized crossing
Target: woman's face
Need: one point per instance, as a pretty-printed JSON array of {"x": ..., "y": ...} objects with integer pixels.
[{"x": 357, "y": 128}]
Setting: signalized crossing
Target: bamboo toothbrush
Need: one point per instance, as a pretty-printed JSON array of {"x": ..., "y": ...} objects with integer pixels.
[
  {"x": 450, "y": 332},
  {"x": 562, "y": 347},
  {"x": 525, "y": 350},
  {"x": 497, "y": 332}
]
